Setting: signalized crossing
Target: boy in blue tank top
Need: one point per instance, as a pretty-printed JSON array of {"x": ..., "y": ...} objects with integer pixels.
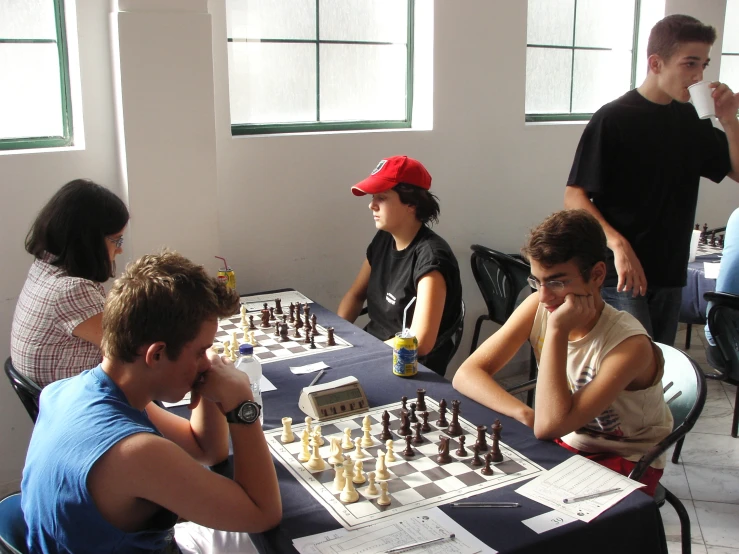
[{"x": 107, "y": 470}]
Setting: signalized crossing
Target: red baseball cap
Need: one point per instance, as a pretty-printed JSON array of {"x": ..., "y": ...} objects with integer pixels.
[{"x": 391, "y": 171}]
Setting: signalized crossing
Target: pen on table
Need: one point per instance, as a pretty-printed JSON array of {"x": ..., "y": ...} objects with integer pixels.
[
  {"x": 485, "y": 505},
  {"x": 416, "y": 544},
  {"x": 317, "y": 377},
  {"x": 588, "y": 496}
]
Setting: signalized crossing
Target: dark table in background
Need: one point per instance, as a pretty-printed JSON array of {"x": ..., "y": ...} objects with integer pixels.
[{"x": 631, "y": 526}]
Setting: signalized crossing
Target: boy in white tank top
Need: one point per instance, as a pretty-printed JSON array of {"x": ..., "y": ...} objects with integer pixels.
[{"x": 599, "y": 389}]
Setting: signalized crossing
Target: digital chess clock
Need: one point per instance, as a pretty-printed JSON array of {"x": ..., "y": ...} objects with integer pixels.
[{"x": 335, "y": 399}]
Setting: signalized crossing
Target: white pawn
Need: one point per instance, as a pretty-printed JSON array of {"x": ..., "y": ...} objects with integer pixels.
[
  {"x": 308, "y": 425},
  {"x": 358, "y": 454},
  {"x": 287, "y": 430},
  {"x": 367, "y": 428},
  {"x": 304, "y": 455},
  {"x": 316, "y": 463},
  {"x": 335, "y": 455},
  {"x": 227, "y": 348},
  {"x": 347, "y": 443},
  {"x": 381, "y": 471},
  {"x": 339, "y": 477},
  {"x": 371, "y": 488},
  {"x": 384, "y": 499},
  {"x": 390, "y": 456},
  {"x": 349, "y": 494},
  {"x": 252, "y": 339},
  {"x": 235, "y": 352},
  {"x": 317, "y": 433},
  {"x": 359, "y": 477}
]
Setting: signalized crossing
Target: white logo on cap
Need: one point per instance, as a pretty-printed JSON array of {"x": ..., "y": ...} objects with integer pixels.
[{"x": 379, "y": 167}]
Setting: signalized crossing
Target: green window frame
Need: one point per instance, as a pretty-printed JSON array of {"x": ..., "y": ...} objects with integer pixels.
[
  {"x": 570, "y": 116},
  {"x": 347, "y": 125},
  {"x": 66, "y": 138}
]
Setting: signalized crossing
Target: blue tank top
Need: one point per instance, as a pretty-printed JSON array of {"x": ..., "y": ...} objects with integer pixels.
[{"x": 80, "y": 419}]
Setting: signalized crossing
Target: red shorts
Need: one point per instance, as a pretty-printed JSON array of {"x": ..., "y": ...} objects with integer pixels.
[{"x": 620, "y": 465}]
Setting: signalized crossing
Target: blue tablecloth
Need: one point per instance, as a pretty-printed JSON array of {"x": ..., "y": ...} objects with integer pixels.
[
  {"x": 633, "y": 525},
  {"x": 693, "y": 307}
]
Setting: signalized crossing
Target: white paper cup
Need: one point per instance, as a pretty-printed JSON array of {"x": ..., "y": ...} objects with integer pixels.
[
  {"x": 694, "y": 245},
  {"x": 700, "y": 95}
]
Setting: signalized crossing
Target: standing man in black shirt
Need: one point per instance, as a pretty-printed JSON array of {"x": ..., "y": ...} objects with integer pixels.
[{"x": 637, "y": 170}]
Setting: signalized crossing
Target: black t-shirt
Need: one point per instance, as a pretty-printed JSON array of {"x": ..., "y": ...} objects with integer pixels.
[
  {"x": 641, "y": 164},
  {"x": 393, "y": 283}
]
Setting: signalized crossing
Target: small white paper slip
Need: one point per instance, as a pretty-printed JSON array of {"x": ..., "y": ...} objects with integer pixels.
[
  {"x": 309, "y": 544},
  {"x": 266, "y": 385},
  {"x": 711, "y": 269},
  {"x": 310, "y": 368},
  {"x": 548, "y": 521}
]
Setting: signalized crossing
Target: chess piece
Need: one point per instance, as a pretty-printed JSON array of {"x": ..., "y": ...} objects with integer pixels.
[
  {"x": 307, "y": 337},
  {"x": 242, "y": 310},
  {"x": 265, "y": 317},
  {"x": 252, "y": 327},
  {"x": 359, "y": 477},
  {"x": 272, "y": 314},
  {"x": 421, "y": 400},
  {"x": 414, "y": 417},
  {"x": 335, "y": 455},
  {"x": 487, "y": 470},
  {"x": 283, "y": 334},
  {"x": 314, "y": 324},
  {"x": 226, "y": 349},
  {"x": 306, "y": 313},
  {"x": 408, "y": 448},
  {"x": 443, "y": 457},
  {"x": 381, "y": 471},
  {"x": 417, "y": 438},
  {"x": 234, "y": 342},
  {"x": 495, "y": 452},
  {"x": 697, "y": 227},
  {"x": 330, "y": 334},
  {"x": 307, "y": 327},
  {"x": 309, "y": 425},
  {"x": 441, "y": 422},
  {"x": 312, "y": 341},
  {"x": 384, "y": 499},
  {"x": 371, "y": 488},
  {"x": 316, "y": 463},
  {"x": 253, "y": 339},
  {"x": 713, "y": 238},
  {"x": 296, "y": 334},
  {"x": 425, "y": 427},
  {"x": 476, "y": 461},
  {"x": 390, "y": 455},
  {"x": 292, "y": 313},
  {"x": 278, "y": 326},
  {"x": 278, "y": 306},
  {"x": 349, "y": 494},
  {"x": 339, "y": 477},
  {"x": 461, "y": 452},
  {"x": 455, "y": 429},
  {"x": 481, "y": 443},
  {"x": 298, "y": 320},
  {"x": 367, "y": 439},
  {"x": 304, "y": 455},
  {"x": 405, "y": 424},
  {"x": 287, "y": 431},
  {"x": 358, "y": 454},
  {"x": 403, "y": 401},
  {"x": 386, "y": 434},
  {"x": 347, "y": 442},
  {"x": 317, "y": 434}
]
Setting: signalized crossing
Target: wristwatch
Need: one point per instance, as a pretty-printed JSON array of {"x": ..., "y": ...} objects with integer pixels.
[{"x": 247, "y": 412}]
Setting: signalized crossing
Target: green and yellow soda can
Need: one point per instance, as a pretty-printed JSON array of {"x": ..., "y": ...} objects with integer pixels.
[{"x": 405, "y": 356}]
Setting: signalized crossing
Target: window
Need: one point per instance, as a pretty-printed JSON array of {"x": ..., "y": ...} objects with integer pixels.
[
  {"x": 319, "y": 65},
  {"x": 581, "y": 54},
  {"x": 35, "y": 106},
  {"x": 730, "y": 49}
]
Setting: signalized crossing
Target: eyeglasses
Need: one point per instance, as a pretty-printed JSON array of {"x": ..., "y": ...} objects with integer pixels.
[
  {"x": 118, "y": 242},
  {"x": 551, "y": 285}
]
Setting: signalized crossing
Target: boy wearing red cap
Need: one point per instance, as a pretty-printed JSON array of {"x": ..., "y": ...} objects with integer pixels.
[{"x": 406, "y": 259}]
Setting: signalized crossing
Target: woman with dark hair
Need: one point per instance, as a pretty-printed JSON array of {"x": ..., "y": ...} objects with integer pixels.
[
  {"x": 406, "y": 259},
  {"x": 57, "y": 325}
]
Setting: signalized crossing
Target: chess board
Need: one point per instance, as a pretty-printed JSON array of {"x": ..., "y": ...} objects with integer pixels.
[
  {"x": 270, "y": 349},
  {"x": 706, "y": 249},
  {"x": 416, "y": 482}
]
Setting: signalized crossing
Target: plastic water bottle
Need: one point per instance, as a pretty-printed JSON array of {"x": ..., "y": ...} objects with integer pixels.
[{"x": 253, "y": 369}]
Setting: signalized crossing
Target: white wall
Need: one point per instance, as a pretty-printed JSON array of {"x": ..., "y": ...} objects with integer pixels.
[{"x": 285, "y": 213}]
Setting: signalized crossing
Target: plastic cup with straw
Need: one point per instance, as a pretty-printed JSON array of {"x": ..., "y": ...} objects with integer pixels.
[{"x": 405, "y": 349}]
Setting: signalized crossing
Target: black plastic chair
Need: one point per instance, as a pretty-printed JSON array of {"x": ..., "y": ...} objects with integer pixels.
[
  {"x": 500, "y": 278},
  {"x": 27, "y": 390},
  {"x": 723, "y": 322},
  {"x": 12, "y": 525}
]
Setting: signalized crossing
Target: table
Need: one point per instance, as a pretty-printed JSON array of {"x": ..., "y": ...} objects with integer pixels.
[
  {"x": 634, "y": 525},
  {"x": 693, "y": 306}
]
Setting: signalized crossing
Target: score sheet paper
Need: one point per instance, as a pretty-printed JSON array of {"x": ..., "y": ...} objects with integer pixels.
[{"x": 575, "y": 477}]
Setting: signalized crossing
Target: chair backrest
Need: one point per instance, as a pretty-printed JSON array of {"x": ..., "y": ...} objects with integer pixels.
[
  {"x": 684, "y": 388},
  {"x": 12, "y": 525},
  {"x": 500, "y": 278},
  {"x": 27, "y": 390},
  {"x": 723, "y": 322}
]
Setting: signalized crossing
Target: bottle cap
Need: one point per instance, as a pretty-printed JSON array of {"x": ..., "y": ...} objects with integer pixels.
[{"x": 246, "y": 349}]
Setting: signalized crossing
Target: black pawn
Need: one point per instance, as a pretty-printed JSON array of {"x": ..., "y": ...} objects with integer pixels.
[
  {"x": 403, "y": 401},
  {"x": 308, "y": 335},
  {"x": 481, "y": 444},
  {"x": 272, "y": 314},
  {"x": 252, "y": 327},
  {"x": 414, "y": 417},
  {"x": 408, "y": 448},
  {"x": 487, "y": 470},
  {"x": 386, "y": 434},
  {"x": 443, "y": 457},
  {"x": 476, "y": 461},
  {"x": 312, "y": 342},
  {"x": 441, "y": 422},
  {"x": 461, "y": 452},
  {"x": 417, "y": 438},
  {"x": 421, "y": 400},
  {"x": 426, "y": 428},
  {"x": 278, "y": 326}
]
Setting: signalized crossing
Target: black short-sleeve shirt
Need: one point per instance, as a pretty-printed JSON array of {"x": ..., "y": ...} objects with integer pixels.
[
  {"x": 641, "y": 164},
  {"x": 393, "y": 283}
]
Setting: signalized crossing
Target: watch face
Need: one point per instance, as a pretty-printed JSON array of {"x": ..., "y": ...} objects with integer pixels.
[{"x": 248, "y": 412}]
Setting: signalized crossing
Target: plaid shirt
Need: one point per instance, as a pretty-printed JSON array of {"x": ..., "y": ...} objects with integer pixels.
[{"x": 50, "y": 307}]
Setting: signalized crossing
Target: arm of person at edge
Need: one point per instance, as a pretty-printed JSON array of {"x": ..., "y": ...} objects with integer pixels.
[
  {"x": 558, "y": 410},
  {"x": 91, "y": 330},
  {"x": 430, "y": 299},
  {"x": 631, "y": 275},
  {"x": 354, "y": 299},
  {"x": 726, "y": 105},
  {"x": 165, "y": 473},
  {"x": 474, "y": 378}
]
